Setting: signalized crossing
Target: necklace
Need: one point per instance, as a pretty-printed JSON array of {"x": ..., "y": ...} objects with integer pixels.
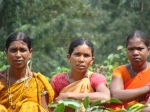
[
  {"x": 69, "y": 78},
  {"x": 140, "y": 76},
  {"x": 136, "y": 72},
  {"x": 133, "y": 70},
  {"x": 9, "y": 90}
]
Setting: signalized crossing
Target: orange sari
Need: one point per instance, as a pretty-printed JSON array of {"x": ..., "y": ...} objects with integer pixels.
[
  {"x": 141, "y": 79},
  {"x": 26, "y": 95}
]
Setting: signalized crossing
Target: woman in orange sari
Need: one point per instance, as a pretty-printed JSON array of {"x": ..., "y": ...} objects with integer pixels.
[
  {"x": 22, "y": 90},
  {"x": 80, "y": 82},
  {"x": 131, "y": 82}
]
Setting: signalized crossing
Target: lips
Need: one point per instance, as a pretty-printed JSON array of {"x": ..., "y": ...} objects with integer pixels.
[
  {"x": 136, "y": 59},
  {"x": 81, "y": 66},
  {"x": 18, "y": 61}
]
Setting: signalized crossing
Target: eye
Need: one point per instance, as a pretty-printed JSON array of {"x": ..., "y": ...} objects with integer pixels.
[
  {"x": 140, "y": 49},
  {"x": 77, "y": 54},
  {"x": 130, "y": 49},
  {"x": 13, "y": 50},
  {"x": 86, "y": 55},
  {"x": 23, "y": 50}
]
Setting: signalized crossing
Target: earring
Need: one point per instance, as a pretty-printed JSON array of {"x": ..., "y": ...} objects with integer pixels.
[{"x": 29, "y": 65}]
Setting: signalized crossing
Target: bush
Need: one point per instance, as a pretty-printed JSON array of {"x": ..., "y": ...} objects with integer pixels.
[
  {"x": 3, "y": 61},
  {"x": 97, "y": 106}
]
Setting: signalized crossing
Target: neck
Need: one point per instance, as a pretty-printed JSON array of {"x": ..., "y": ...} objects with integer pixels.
[
  {"x": 17, "y": 73},
  {"x": 137, "y": 69},
  {"x": 77, "y": 75}
]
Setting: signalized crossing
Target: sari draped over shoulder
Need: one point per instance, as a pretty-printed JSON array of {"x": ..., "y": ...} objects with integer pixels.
[
  {"x": 141, "y": 79},
  {"x": 81, "y": 86},
  {"x": 26, "y": 95}
]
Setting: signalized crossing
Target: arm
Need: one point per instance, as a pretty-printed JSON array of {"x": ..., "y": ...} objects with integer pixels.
[
  {"x": 45, "y": 101},
  {"x": 102, "y": 93},
  {"x": 117, "y": 90}
]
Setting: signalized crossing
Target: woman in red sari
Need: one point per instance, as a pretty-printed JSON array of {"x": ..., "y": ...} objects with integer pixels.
[
  {"x": 130, "y": 82},
  {"x": 80, "y": 82}
]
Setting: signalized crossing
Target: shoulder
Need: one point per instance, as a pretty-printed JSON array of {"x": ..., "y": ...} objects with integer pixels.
[
  {"x": 3, "y": 74},
  {"x": 120, "y": 69},
  {"x": 40, "y": 76},
  {"x": 96, "y": 77},
  {"x": 58, "y": 76}
]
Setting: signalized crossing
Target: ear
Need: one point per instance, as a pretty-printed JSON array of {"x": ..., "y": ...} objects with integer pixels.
[
  {"x": 31, "y": 50},
  {"x": 92, "y": 60},
  {"x": 68, "y": 57},
  {"x": 148, "y": 51}
]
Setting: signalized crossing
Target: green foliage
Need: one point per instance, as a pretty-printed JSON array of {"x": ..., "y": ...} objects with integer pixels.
[
  {"x": 97, "y": 106},
  {"x": 116, "y": 59},
  {"x": 3, "y": 61},
  {"x": 53, "y": 24},
  {"x": 58, "y": 70}
]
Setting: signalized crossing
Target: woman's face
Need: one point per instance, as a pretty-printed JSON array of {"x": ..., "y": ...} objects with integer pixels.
[
  {"x": 137, "y": 51},
  {"x": 18, "y": 54},
  {"x": 81, "y": 58}
]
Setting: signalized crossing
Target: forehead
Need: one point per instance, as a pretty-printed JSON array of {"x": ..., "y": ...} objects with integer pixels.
[
  {"x": 18, "y": 43},
  {"x": 136, "y": 41},
  {"x": 82, "y": 48}
]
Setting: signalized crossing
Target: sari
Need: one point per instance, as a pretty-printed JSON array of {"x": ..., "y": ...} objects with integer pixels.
[
  {"x": 141, "y": 79},
  {"x": 26, "y": 95},
  {"x": 80, "y": 86}
]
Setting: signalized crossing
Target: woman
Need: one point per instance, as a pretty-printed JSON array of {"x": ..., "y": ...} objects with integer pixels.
[
  {"x": 80, "y": 82},
  {"x": 22, "y": 90},
  {"x": 130, "y": 82}
]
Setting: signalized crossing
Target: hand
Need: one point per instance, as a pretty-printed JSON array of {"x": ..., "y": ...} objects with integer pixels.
[
  {"x": 148, "y": 84},
  {"x": 146, "y": 109},
  {"x": 62, "y": 96}
]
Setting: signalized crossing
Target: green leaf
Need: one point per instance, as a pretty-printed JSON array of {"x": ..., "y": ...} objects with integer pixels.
[
  {"x": 60, "y": 108},
  {"x": 110, "y": 109},
  {"x": 72, "y": 106},
  {"x": 114, "y": 100},
  {"x": 86, "y": 102},
  {"x": 96, "y": 103},
  {"x": 67, "y": 102},
  {"x": 135, "y": 107},
  {"x": 94, "y": 108},
  {"x": 54, "y": 104}
]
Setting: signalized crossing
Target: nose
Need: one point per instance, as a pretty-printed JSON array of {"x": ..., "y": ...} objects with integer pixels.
[
  {"x": 81, "y": 58},
  {"x": 135, "y": 52},
  {"x": 18, "y": 54}
]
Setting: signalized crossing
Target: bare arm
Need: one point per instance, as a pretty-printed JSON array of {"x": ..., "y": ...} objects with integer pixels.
[
  {"x": 45, "y": 101},
  {"x": 117, "y": 90},
  {"x": 102, "y": 93}
]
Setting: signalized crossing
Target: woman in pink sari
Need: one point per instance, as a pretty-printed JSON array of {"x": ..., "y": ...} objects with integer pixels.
[{"x": 80, "y": 82}]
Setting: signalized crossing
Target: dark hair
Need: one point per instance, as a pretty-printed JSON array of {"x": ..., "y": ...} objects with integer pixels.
[
  {"x": 18, "y": 36},
  {"x": 140, "y": 35},
  {"x": 80, "y": 41}
]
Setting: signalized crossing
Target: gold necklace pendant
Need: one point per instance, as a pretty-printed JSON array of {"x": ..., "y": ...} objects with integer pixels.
[
  {"x": 13, "y": 106},
  {"x": 8, "y": 85}
]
